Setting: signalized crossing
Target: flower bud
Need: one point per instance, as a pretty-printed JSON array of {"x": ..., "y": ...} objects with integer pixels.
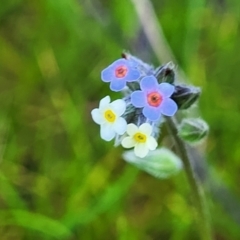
[
  {"x": 193, "y": 130},
  {"x": 165, "y": 73},
  {"x": 185, "y": 96}
]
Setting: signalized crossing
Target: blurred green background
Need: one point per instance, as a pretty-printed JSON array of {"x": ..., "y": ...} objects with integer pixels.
[{"x": 58, "y": 179}]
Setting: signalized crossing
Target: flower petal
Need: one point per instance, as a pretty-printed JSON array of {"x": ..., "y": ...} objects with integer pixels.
[
  {"x": 133, "y": 63},
  {"x": 97, "y": 116},
  {"x": 146, "y": 128},
  {"x": 119, "y": 106},
  {"x": 107, "y": 74},
  {"x": 120, "y": 126},
  {"x": 149, "y": 83},
  {"x": 141, "y": 150},
  {"x": 117, "y": 85},
  {"x": 107, "y": 133},
  {"x": 168, "y": 107},
  {"x": 128, "y": 142},
  {"x": 138, "y": 99},
  {"x": 132, "y": 75},
  {"x": 120, "y": 62},
  {"x": 152, "y": 113},
  {"x": 166, "y": 89},
  {"x": 151, "y": 143},
  {"x": 104, "y": 102},
  {"x": 131, "y": 129}
]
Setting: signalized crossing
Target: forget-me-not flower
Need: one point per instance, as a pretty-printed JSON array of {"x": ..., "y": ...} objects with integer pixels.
[
  {"x": 140, "y": 138},
  {"x": 119, "y": 73},
  {"x": 108, "y": 116},
  {"x": 154, "y": 98}
]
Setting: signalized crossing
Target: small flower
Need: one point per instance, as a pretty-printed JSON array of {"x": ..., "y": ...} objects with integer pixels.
[
  {"x": 108, "y": 116},
  {"x": 140, "y": 138},
  {"x": 154, "y": 98},
  {"x": 120, "y": 72}
]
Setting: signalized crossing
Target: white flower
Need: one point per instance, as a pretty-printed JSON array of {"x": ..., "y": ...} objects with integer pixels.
[
  {"x": 140, "y": 138},
  {"x": 108, "y": 117}
]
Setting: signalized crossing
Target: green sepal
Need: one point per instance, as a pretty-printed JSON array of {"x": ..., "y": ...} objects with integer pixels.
[{"x": 133, "y": 86}]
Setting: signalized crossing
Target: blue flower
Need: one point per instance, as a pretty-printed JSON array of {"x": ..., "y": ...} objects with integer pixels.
[
  {"x": 154, "y": 98},
  {"x": 120, "y": 72}
]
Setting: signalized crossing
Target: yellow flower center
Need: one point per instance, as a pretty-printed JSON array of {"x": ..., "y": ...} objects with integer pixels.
[
  {"x": 110, "y": 116},
  {"x": 139, "y": 137}
]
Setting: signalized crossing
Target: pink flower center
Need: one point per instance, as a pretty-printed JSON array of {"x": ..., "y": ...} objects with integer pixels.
[
  {"x": 121, "y": 71},
  {"x": 154, "y": 99}
]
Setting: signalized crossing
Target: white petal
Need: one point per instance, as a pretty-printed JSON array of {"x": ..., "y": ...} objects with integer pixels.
[
  {"x": 107, "y": 133},
  {"x": 128, "y": 142},
  {"x": 119, "y": 106},
  {"x": 97, "y": 116},
  {"x": 151, "y": 143},
  {"x": 141, "y": 150},
  {"x": 146, "y": 128},
  {"x": 131, "y": 129},
  {"x": 104, "y": 102},
  {"x": 120, "y": 126}
]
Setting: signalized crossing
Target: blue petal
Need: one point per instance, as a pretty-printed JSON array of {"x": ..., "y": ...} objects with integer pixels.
[
  {"x": 132, "y": 63},
  {"x": 152, "y": 113},
  {"x": 168, "y": 107},
  {"x": 132, "y": 75},
  {"x": 117, "y": 85},
  {"x": 138, "y": 99},
  {"x": 166, "y": 89},
  {"x": 149, "y": 83},
  {"x": 107, "y": 74},
  {"x": 120, "y": 62}
]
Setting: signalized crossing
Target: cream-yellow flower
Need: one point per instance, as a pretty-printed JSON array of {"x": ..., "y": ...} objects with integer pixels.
[{"x": 140, "y": 138}]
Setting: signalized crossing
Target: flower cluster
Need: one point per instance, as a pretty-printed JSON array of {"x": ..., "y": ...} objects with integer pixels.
[{"x": 148, "y": 93}]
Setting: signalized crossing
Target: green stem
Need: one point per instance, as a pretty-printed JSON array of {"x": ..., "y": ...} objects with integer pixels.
[{"x": 196, "y": 188}]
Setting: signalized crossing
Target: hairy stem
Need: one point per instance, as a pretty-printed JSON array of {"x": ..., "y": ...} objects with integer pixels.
[
  {"x": 152, "y": 28},
  {"x": 197, "y": 193}
]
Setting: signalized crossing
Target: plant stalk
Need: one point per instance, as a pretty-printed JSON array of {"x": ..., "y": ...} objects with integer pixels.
[{"x": 202, "y": 215}]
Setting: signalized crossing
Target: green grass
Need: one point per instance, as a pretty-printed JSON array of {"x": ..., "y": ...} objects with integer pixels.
[{"x": 58, "y": 179}]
